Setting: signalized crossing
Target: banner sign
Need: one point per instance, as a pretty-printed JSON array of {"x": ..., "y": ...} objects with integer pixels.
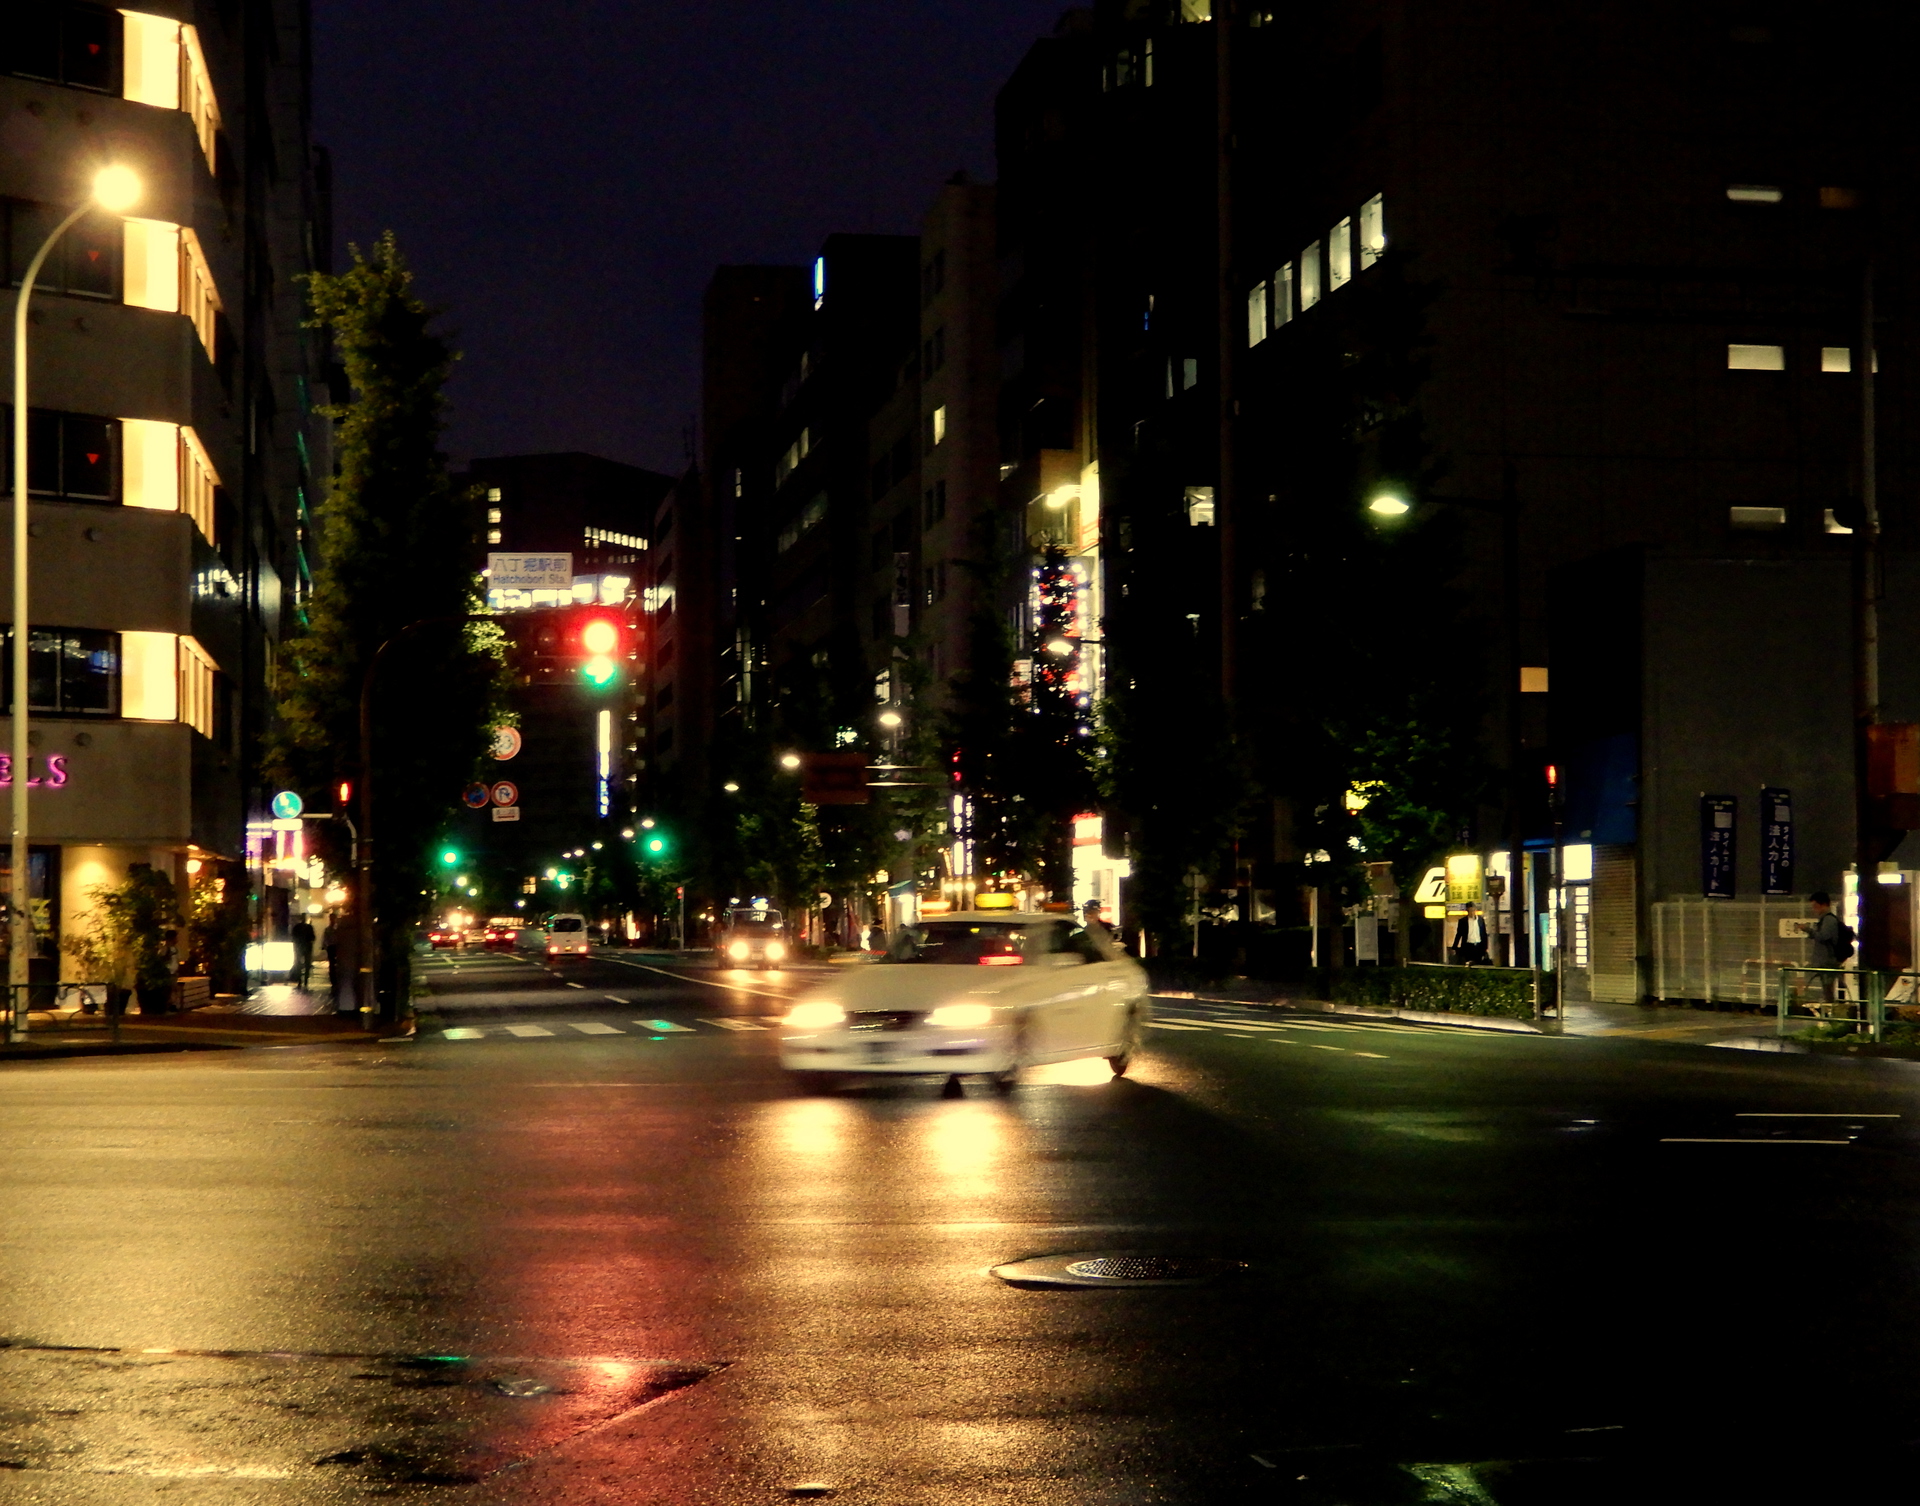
[
  {"x": 1717, "y": 816},
  {"x": 531, "y": 572},
  {"x": 1776, "y": 841}
]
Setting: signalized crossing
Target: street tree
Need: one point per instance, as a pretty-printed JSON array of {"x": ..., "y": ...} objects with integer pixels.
[{"x": 393, "y": 549}]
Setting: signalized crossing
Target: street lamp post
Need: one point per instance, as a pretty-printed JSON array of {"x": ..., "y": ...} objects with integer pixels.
[{"x": 116, "y": 190}]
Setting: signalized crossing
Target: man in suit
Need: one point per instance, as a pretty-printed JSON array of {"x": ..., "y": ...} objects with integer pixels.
[{"x": 1470, "y": 937}]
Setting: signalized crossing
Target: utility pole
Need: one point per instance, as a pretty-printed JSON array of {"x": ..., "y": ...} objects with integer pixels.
[{"x": 1870, "y": 834}]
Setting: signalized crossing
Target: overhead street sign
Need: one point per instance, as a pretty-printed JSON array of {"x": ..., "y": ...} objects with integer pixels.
[{"x": 531, "y": 572}]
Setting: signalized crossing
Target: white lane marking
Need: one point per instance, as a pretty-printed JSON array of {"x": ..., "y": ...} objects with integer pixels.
[
  {"x": 1736, "y": 1140},
  {"x": 662, "y": 1027},
  {"x": 528, "y": 1030},
  {"x": 1316, "y": 1046},
  {"x": 706, "y": 982},
  {"x": 1165, "y": 1025},
  {"x": 617, "y": 999},
  {"x": 735, "y": 1024},
  {"x": 596, "y": 1030},
  {"x": 463, "y": 1034},
  {"x": 1374, "y": 1054},
  {"x": 572, "y": 984},
  {"x": 1816, "y": 1116}
]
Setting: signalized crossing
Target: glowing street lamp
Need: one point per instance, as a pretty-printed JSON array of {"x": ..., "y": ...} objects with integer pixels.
[
  {"x": 1389, "y": 506},
  {"x": 116, "y": 190}
]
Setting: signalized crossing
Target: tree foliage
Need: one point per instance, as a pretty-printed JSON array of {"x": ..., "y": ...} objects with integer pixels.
[{"x": 393, "y": 550}]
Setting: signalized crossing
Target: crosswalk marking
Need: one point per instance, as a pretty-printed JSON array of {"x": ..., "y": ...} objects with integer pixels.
[
  {"x": 598, "y": 1030},
  {"x": 735, "y": 1024},
  {"x": 463, "y": 1034},
  {"x": 662, "y": 1027},
  {"x": 528, "y": 1030}
]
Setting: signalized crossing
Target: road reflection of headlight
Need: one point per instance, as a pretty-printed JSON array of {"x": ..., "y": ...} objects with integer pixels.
[
  {"x": 739, "y": 949},
  {"x": 815, "y": 1016},
  {"x": 962, "y": 1016}
]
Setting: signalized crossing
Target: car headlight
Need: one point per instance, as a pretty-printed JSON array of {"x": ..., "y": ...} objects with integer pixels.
[
  {"x": 962, "y": 1016},
  {"x": 815, "y": 1016},
  {"x": 739, "y": 949},
  {"x": 776, "y": 950}
]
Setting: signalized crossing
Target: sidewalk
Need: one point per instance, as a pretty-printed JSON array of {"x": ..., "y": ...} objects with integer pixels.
[
  {"x": 276, "y": 1015},
  {"x": 1649, "y": 1022}
]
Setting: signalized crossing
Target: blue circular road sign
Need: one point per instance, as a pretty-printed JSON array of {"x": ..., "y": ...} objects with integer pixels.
[{"x": 287, "y": 805}]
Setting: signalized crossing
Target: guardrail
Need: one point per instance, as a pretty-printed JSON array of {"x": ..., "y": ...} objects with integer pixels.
[
  {"x": 97, "y": 993},
  {"x": 1841, "y": 998}
]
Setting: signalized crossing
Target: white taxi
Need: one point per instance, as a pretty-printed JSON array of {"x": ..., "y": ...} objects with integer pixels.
[{"x": 985, "y": 992}]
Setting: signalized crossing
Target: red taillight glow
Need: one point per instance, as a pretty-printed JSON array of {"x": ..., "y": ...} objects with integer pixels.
[{"x": 1001, "y": 961}]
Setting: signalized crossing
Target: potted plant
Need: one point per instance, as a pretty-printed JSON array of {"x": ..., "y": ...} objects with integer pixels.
[{"x": 127, "y": 939}]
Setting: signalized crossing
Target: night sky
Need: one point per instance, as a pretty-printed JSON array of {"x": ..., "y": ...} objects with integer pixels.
[{"x": 564, "y": 175}]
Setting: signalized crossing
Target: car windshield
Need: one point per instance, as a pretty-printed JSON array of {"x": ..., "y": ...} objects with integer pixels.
[
  {"x": 567, "y": 923},
  {"x": 960, "y": 942},
  {"x": 754, "y": 920}
]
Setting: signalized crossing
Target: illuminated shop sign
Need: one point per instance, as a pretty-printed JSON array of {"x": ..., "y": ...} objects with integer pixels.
[{"x": 54, "y": 772}]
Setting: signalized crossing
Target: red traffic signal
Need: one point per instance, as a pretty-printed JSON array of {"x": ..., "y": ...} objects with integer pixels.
[{"x": 590, "y": 642}]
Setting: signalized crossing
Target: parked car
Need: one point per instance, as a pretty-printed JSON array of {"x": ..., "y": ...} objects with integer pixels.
[
  {"x": 985, "y": 992},
  {"x": 753, "y": 938}
]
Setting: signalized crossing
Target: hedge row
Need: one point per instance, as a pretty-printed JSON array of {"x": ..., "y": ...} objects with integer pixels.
[{"x": 1503, "y": 991}]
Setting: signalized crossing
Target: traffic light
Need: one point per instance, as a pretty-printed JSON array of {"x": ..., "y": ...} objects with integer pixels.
[
  {"x": 600, "y": 635},
  {"x": 583, "y": 644},
  {"x": 657, "y": 845},
  {"x": 450, "y": 856}
]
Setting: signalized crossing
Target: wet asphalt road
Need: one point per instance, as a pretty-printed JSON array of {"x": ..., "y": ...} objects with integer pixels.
[{"x": 570, "y": 1254}]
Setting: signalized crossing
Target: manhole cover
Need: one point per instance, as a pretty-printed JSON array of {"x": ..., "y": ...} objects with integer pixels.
[{"x": 1096, "y": 1268}]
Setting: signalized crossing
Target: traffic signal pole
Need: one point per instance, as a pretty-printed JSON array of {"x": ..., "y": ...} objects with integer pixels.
[{"x": 366, "y": 978}]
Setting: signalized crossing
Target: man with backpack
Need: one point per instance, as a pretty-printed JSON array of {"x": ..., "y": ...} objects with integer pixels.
[{"x": 1832, "y": 939}]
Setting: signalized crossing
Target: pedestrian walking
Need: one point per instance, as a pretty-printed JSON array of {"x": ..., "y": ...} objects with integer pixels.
[
  {"x": 303, "y": 937},
  {"x": 1832, "y": 940},
  {"x": 1470, "y": 938}
]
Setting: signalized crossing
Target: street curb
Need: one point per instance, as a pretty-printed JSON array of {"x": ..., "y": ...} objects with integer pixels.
[
  {"x": 107, "y": 1048},
  {"x": 1364, "y": 1012}
]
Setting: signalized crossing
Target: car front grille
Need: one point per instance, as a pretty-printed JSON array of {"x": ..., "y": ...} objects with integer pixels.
[{"x": 884, "y": 1019}]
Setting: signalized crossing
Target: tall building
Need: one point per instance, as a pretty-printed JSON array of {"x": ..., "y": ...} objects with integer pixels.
[
  {"x": 175, "y": 458},
  {"x": 1483, "y": 302},
  {"x": 575, "y": 763}
]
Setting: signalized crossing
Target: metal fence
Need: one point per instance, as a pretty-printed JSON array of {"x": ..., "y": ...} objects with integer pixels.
[
  {"x": 1726, "y": 951},
  {"x": 1840, "y": 996}
]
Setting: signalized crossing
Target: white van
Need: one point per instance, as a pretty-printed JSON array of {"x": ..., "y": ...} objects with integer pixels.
[{"x": 556, "y": 936}]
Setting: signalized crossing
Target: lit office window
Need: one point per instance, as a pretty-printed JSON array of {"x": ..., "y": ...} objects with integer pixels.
[
  {"x": 1340, "y": 255},
  {"x": 200, "y": 297},
  {"x": 199, "y": 484},
  {"x": 1836, "y": 358},
  {"x": 1754, "y": 193},
  {"x": 1309, "y": 277},
  {"x": 1373, "y": 231},
  {"x": 937, "y": 427},
  {"x": 150, "y": 70},
  {"x": 1196, "y": 10},
  {"x": 150, "y": 464},
  {"x": 493, "y": 494},
  {"x": 1283, "y": 295},
  {"x": 1189, "y": 374},
  {"x": 493, "y": 516},
  {"x": 1199, "y": 500},
  {"x": 819, "y": 281},
  {"x": 493, "y": 535},
  {"x": 199, "y": 103},
  {"x": 197, "y": 676},
  {"x": 150, "y": 676},
  {"x": 1756, "y": 358},
  {"x": 151, "y": 252},
  {"x": 1257, "y": 314}
]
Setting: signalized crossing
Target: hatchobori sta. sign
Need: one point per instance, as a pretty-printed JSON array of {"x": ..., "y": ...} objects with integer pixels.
[{"x": 54, "y": 776}]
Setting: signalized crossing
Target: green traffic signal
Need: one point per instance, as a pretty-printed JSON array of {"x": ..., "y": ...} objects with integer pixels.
[
  {"x": 656, "y": 845},
  {"x": 449, "y": 857}
]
